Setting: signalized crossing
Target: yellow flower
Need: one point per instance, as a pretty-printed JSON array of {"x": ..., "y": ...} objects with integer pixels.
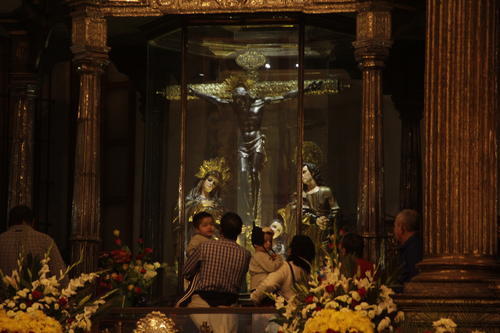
[
  {"x": 116, "y": 232},
  {"x": 130, "y": 287},
  {"x": 342, "y": 321},
  {"x": 23, "y": 322},
  {"x": 125, "y": 267}
]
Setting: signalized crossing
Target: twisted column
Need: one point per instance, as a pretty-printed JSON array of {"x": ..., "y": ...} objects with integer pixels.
[
  {"x": 371, "y": 49},
  {"x": 90, "y": 57}
]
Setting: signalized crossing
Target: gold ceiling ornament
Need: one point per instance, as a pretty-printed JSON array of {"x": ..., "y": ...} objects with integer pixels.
[
  {"x": 155, "y": 322},
  {"x": 312, "y": 153},
  {"x": 218, "y": 165},
  {"x": 251, "y": 60}
]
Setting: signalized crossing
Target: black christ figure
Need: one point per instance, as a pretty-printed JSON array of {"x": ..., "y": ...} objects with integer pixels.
[{"x": 249, "y": 113}]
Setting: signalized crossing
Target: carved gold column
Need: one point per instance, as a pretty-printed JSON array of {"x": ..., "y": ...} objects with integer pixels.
[
  {"x": 372, "y": 48},
  {"x": 23, "y": 93},
  {"x": 460, "y": 270},
  {"x": 90, "y": 56}
]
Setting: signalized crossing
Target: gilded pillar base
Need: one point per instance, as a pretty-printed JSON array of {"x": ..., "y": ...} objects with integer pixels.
[
  {"x": 456, "y": 276},
  {"x": 468, "y": 313},
  {"x": 463, "y": 288}
]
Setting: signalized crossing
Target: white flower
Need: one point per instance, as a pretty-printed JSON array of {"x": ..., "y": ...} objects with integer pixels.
[
  {"x": 23, "y": 293},
  {"x": 391, "y": 307},
  {"x": 384, "y": 323},
  {"x": 355, "y": 295},
  {"x": 400, "y": 316},
  {"x": 157, "y": 265},
  {"x": 22, "y": 306},
  {"x": 332, "y": 305},
  {"x": 444, "y": 325},
  {"x": 11, "y": 304},
  {"x": 149, "y": 275},
  {"x": 279, "y": 302}
]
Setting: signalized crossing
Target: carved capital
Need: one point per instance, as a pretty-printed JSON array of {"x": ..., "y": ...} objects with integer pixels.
[
  {"x": 373, "y": 36},
  {"x": 89, "y": 33}
]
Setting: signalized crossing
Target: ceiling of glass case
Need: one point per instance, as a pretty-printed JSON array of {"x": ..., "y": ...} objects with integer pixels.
[{"x": 229, "y": 41}]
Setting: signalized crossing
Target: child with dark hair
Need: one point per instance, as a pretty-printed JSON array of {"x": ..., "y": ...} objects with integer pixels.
[
  {"x": 263, "y": 262},
  {"x": 204, "y": 224},
  {"x": 352, "y": 244},
  {"x": 296, "y": 268}
]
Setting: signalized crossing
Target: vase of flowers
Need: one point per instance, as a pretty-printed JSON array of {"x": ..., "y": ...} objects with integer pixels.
[
  {"x": 131, "y": 274},
  {"x": 338, "y": 291},
  {"x": 29, "y": 295}
]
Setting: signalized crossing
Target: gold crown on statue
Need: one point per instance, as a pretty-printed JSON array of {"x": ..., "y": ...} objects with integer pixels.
[
  {"x": 155, "y": 322},
  {"x": 215, "y": 165}
]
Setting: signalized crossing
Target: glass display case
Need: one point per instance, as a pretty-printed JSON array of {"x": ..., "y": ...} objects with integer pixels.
[{"x": 235, "y": 101}]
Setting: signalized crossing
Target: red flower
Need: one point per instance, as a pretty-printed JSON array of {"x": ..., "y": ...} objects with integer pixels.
[
  {"x": 148, "y": 250},
  {"x": 119, "y": 277},
  {"x": 362, "y": 292},
  {"x": 331, "y": 331},
  {"x": 62, "y": 301},
  {"x": 330, "y": 288},
  {"x": 118, "y": 241},
  {"x": 330, "y": 245},
  {"x": 354, "y": 303},
  {"x": 36, "y": 294},
  {"x": 309, "y": 299},
  {"x": 318, "y": 308},
  {"x": 140, "y": 241},
  {"x": 143, "y": 271},
  {"x": 138, "y": 290}
]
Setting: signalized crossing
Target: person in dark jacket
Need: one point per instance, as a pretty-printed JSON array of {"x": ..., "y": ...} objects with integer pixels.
[{"x": 410, "y": 243}]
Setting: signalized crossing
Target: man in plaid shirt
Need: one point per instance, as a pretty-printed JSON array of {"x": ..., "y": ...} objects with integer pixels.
[{"x": 222, "y": 266}]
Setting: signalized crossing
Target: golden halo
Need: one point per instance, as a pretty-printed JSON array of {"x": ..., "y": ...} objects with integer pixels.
[{"x": 215, "y": 165}]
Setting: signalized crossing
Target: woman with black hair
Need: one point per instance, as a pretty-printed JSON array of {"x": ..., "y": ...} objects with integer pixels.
[{"x": 296, "y": 268}]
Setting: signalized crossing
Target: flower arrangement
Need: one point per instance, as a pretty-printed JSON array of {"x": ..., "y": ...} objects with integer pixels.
[
  {"x": 343, "y": 321},
  {"x": 72, "y": 305},
  {"x": 29, "y": 322},
  {"x": 341, "y": 288},
  {"x": 444, "y": 325},
  {"x": 132, "y": 275}
]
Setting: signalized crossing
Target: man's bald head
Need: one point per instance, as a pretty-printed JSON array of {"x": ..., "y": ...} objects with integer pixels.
[{"x": 406, "y": 224}]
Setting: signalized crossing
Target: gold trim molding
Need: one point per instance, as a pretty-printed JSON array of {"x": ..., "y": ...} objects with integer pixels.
[{"x": 162, "y": 7}]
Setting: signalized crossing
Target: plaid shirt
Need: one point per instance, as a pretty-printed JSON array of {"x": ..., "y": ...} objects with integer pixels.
[
  {"x": 25, "y": 239},
  {"x": 222, "y": 265}
]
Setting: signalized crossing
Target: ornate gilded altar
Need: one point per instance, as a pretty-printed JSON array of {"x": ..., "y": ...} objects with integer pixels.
[{"x": 371, "y": 42}]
